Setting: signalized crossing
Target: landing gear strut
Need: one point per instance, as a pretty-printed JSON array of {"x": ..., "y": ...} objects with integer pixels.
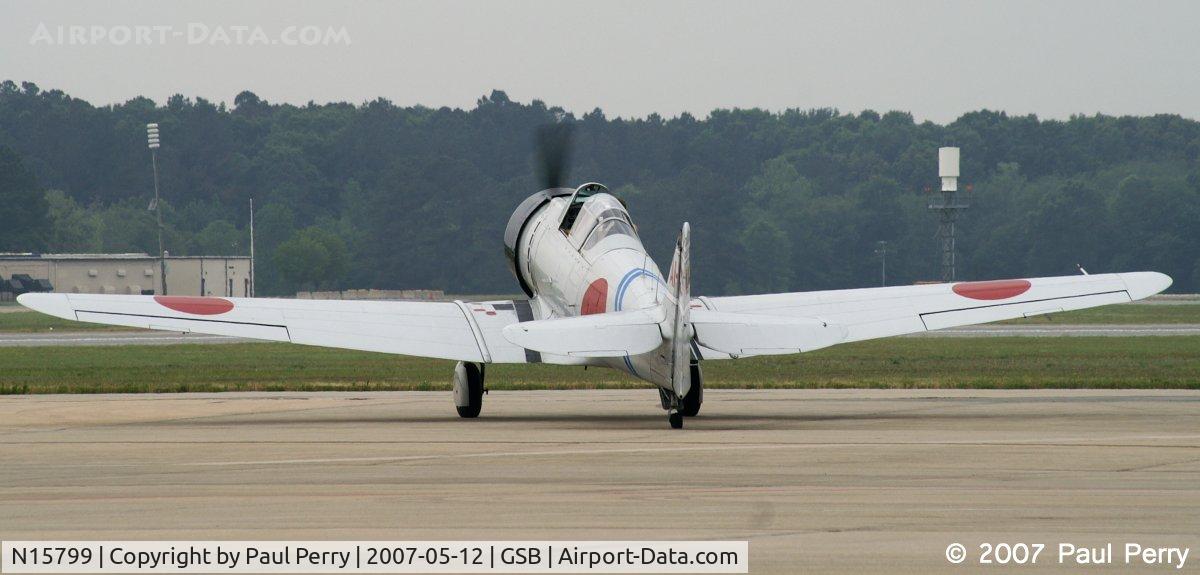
[
  {"x": 688, "y": 406},
  {"x": 671, "y": 403},
  {"x": 468, "y": 389}
]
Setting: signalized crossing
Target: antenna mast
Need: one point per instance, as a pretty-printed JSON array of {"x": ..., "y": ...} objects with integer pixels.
[{"x": 948, "y": 208}]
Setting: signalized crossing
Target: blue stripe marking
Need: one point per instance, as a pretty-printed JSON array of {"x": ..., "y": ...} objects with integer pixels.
[
  {"x": 628, "y": 280},
  {"x": 622, "y": 286}
]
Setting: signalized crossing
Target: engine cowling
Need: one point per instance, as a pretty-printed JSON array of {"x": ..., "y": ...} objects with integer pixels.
[{"x": 516, "y": 226}]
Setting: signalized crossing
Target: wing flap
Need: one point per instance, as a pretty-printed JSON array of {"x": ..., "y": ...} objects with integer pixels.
[
  {"x": 751, "y": 334},
  {"x": 408, "y": 328}
]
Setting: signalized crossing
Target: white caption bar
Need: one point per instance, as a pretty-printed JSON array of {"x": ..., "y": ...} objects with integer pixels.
[{"x": 375, "y": 557}]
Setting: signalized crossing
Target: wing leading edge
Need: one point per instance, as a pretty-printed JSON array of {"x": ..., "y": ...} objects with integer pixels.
[
  {"x": 444, "y": 330},
  {"x": 871, "y": 313}
]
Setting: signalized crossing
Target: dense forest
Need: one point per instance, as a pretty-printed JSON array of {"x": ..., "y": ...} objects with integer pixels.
[{"x": 377, "y": 195}]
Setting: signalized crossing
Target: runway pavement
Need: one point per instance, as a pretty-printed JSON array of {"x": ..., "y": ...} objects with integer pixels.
[
  {"x": 817, "y": 480},
  {"x": 61, "y": 338}
]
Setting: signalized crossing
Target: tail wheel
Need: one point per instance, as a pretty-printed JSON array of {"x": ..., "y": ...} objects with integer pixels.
[
  {"x": 690, "y": 405},
  {"x": 468, "y": 389}
]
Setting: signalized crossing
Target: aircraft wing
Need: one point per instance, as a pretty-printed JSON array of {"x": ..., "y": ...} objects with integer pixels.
[
  {"x": 871, "y": 313},
  {"x": 444, "y": 330}
]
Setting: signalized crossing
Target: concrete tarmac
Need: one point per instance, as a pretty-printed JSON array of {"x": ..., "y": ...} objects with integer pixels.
[{"x": 817, "y": 480}]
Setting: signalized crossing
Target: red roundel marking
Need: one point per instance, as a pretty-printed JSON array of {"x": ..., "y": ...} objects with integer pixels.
[
  {"x": 595, "y": 299},
  {"x": 999, "y": 289},
  {"x": 195, "y": 305}
]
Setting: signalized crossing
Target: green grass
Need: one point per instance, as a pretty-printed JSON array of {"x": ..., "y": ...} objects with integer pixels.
[
  {"x": 31, "y": 322},
  {"x": 1067, "y": 362}
]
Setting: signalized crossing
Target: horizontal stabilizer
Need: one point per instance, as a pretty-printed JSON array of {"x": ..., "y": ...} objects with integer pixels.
[
  {"x": 601, "y": 335},
  {"x": 740, "y": 334}
]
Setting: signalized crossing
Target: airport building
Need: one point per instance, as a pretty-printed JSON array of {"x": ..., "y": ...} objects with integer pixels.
[{"x": 124, "y": 274}]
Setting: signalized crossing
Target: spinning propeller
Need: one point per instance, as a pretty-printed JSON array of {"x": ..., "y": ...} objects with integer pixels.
[{"x": 554, "y": 152}]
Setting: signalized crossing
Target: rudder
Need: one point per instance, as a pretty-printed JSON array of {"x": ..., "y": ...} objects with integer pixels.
[{"x": 679, "y": 314}]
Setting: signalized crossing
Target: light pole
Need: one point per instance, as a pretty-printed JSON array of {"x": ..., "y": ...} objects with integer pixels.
[
  {"x": 882, "y": 250},
  {"x": 152, "y": 143},
  {"x": 251, "y": 246}
]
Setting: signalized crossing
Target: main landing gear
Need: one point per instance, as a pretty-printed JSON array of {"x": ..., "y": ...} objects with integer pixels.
[
  {"x": 468, "y": 389},
  {"x": 689, "y": 405}
]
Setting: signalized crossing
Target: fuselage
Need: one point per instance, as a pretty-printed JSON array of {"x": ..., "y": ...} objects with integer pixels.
[{"x": 587, "y": 262}]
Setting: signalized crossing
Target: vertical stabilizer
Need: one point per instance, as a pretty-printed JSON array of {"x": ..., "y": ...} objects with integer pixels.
[{"x": 678, "y": 313}]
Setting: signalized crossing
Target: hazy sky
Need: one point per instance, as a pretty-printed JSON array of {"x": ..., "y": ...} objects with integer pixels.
[{"x": 935, "y": 59}]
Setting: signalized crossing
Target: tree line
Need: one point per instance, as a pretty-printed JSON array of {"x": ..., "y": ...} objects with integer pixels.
[{"x": 386, "y": 196}]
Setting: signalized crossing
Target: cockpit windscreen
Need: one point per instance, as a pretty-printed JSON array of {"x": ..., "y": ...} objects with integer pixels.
[{"x": 609, "y": 227}]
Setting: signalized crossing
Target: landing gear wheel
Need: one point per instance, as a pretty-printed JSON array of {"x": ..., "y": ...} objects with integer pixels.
[
  {"x": 690, "y": 405},
  {"x": 468, "y": 389},
  {"x": 676, "y": 419}
]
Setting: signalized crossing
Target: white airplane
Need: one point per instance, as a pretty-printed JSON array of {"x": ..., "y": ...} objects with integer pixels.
[{"x": 597, "y": 299}]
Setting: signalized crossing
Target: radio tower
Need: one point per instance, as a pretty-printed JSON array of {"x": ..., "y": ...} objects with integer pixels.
[{"x": 948, "y": 208}]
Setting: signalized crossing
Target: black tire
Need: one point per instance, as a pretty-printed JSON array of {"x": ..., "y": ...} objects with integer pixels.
[
  {"x": 690, "y": 406},
  {"x": 474, "y": 392},
  {"x": 676, "y": 420}
]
